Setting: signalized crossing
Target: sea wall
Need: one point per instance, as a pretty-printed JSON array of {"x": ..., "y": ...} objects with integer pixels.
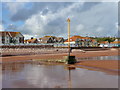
[{"x": 31, "y": 51}]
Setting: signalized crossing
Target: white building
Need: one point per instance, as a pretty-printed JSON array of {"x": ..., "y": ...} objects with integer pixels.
[
  {"x": 7, "y": 37},
  {"x": 82, "y": 41}
]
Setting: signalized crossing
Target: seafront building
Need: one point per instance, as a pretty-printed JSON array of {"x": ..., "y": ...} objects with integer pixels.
[
  {"x": 45, "y": 40},
  {"x": 32, "y": 40},
  {"x": 82, "y": 41},
  {"x": 51, "y": 39},
  {"x": 115, "y": 43},
  {"x": 104, "y": 44},
  {"x": 7, "y": 37},
  {"x": 75, "y": 41}
]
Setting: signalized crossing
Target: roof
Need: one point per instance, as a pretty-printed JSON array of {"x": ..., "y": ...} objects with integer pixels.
[
  {"x": 26, "y": 40},
  {"x": 31, "y": 40},
  {"x": 73, "y": 38},
  {"x": 59, "y": 38},
  {"x": 49, "y": 36},
  {"x": 11, "y": 34},
  {"x": 93, "y": 40},
  {"x": 115, "y": 42},
  {"x": 44, "y": 39},
  {"x": 103, "y": 42},
  {"x": 86, "y": 38}
]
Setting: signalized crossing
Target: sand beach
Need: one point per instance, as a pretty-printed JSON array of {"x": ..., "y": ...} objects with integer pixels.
[{"x": 104, "y": 64}]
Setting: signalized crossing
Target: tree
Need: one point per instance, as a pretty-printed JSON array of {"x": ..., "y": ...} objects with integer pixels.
[
  {"x": 105, "y": 39},
  {"x": 109, "y": 39}
]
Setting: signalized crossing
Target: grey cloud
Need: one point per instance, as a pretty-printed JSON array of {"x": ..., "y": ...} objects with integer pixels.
[
  {"x": 56, "y": 26},
  {"x": 118, "y": 34},
  {"x": 119, "y": 13},
  {"x": 45, "y": 11},
  {"x": 37, "y": 7},
  {"x": 92, "y": 18},
  {"x": 87, "y": 6}
]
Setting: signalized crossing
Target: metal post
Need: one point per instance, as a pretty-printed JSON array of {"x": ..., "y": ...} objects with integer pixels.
[{"x": 68, "y": 20}]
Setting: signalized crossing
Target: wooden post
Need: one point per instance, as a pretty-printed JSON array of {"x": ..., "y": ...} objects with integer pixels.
[{"x": 68, "y": 20}]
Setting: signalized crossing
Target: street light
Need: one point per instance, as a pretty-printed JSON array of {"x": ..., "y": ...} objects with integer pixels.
[{"x": 68, "y": 20}]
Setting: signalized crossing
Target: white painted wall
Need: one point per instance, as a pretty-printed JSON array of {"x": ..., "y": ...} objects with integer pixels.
[
  {"x": 7, "y": 38},
  {"x": 0, "y": 39},
  {"x": 70, "y": 42}
]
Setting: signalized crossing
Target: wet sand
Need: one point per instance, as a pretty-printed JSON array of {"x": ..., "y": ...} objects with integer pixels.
[
  {"x": 28, "y": 75},
  {"x": 85, "y": 73},
  {"x": 56, "y": 55},
  {"x": 102, "y": 64},
  {"x": 107, "y": 64}
]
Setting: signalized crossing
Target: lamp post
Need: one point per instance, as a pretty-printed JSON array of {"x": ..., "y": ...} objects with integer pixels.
[
  {"x": 70, "y": 59},
  {"x": 68, "y": 20}
]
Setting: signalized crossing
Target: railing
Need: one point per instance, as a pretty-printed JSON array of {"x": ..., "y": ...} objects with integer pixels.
[
  {"x": 21, "y": 44},
  {"x": 52, "y": 44}
]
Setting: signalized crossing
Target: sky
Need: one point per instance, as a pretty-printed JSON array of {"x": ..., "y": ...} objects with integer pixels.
[{"x": 38, "y": 19}]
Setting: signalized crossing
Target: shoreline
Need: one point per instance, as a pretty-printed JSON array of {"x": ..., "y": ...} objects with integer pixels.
[
  {"x": 110, "y": 66},
  {"x": 60, "y": 55}
]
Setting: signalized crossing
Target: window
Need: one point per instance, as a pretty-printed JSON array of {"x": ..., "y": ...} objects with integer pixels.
[
  {"x": 3, "y": 37},
  {"x": 11, "y": 41}
]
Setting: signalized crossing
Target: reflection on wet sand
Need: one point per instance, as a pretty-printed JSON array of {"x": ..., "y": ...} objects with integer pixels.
[
  {"x": 69, "y": 68},
  {"x": 70, "y": 80},
  {"x": 14, "y": 67},
  {"x": 52, "y": 75}
]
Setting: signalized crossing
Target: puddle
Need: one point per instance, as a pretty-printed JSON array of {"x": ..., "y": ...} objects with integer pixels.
[{"x": 38, "y": 75}]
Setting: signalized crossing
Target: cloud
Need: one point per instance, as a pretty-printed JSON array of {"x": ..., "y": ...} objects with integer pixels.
[
  {"x": 92, "y": 18},
  {"x": 80, "y": 27},
  {"x": 103, "y": 15},
  {"x": 99, "y": 29},
  {"x": 60, "y": 1},
  {"x": 26, "y": 36},
  {"x": 22, "y": 13},
  {"x": 1, "y": 27},
  {"x": 13, "y": 7},
  {"x": 16, "y": 0},
  {"x": 49, "y": 24},
  {"x": 116, "y": 25}
]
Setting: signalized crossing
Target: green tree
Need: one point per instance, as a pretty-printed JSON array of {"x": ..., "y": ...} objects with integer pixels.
[{"x": 105, "y": 39}]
